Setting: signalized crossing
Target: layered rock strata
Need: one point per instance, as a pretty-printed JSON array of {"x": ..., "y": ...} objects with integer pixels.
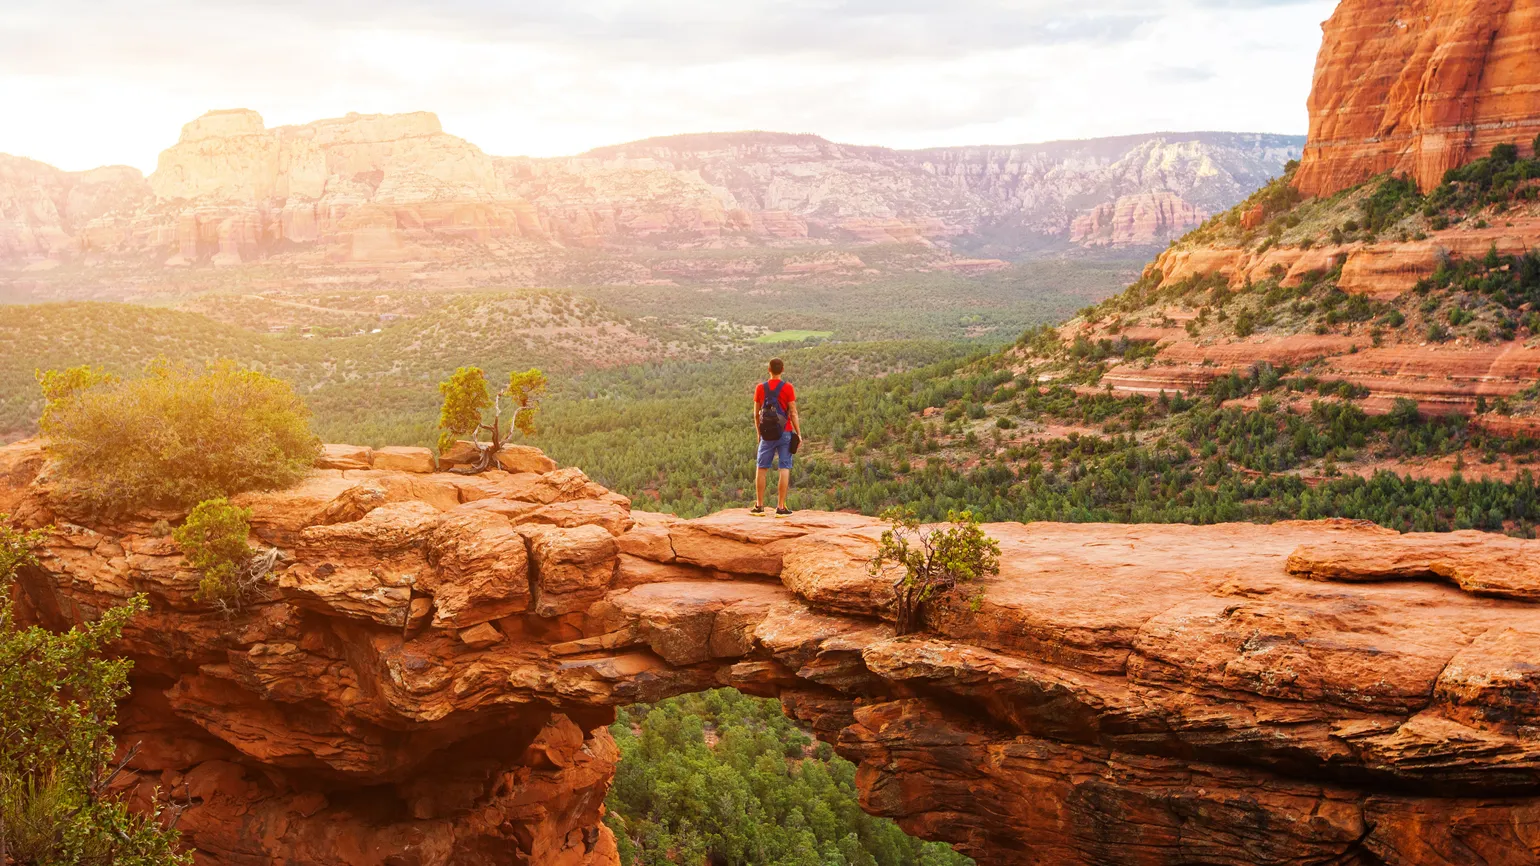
[
  {"x": 429, "y": 677},
  {"x": 1418, "y": 87},
  {"x": 1443, "y": 380}
]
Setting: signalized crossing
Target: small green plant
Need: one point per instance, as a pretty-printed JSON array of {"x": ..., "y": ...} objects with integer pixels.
[
  {"x": 214, "y": 541},
  {"x": 58, "y": 702},
  {"x": 467, "y": 397},
  {"x": 930, "y": 563}
]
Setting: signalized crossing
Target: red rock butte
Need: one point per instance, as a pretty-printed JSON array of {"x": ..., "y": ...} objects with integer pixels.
[
  {"x": 430, "y": 677},
  {"x": 1418, "y": 87}
]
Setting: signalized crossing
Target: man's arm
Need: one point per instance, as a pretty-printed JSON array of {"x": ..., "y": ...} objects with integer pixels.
[{"x": 791, "y": 416}]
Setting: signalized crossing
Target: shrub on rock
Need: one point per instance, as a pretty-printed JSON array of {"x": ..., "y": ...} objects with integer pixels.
[
  {"x": 214, "y": 541},
  {"x": 175, "y": 436},
  {"x": 929, "y": 564}
]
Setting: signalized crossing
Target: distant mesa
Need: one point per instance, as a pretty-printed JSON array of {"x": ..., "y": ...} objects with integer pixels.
[{"x": 372, "y": 189}]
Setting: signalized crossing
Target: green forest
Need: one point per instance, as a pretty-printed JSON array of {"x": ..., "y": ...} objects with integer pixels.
[{"x": 721, "y": 778}]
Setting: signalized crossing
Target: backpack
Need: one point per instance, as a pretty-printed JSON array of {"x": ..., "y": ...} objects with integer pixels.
[{"x": 772, "y": 419}]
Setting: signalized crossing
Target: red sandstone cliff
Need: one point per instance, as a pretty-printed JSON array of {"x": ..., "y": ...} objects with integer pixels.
[
  {"x": 429, "y": 678},
  {"x": 1419, "y": 87}
]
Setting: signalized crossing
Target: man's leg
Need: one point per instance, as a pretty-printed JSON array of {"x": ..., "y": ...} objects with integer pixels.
[
  {"x": 759, "y": 486},
  {"x": 785, "y": 485}
]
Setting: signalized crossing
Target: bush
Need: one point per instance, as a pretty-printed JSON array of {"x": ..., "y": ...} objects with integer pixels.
[
  {"x": 58, "y": 701},
  {"x": 214, "y": 541},
  {"x": 931, "y": 563},
  {"x": 175, "y": 436},
  {"x": 1245, "y": 324}
]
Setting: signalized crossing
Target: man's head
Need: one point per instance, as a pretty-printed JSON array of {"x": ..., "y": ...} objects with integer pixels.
[{"x": 777, "y": 366}]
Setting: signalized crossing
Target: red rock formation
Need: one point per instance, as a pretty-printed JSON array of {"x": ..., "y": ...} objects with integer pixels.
[
  {"x": 1442, "y": 379},
  {"x": 1419, "y": 87},
  {"x": 382, "y": 189},
  {"x": 1146, "y": 218},
  {"x": 48, "y": 213},
  {"x": 429, "y": 678}
]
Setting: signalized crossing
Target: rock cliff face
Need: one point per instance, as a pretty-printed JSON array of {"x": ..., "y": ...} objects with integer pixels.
[
  {"x": 45, "y": 212},
  {"x": 1146, "y": 218},
  {"x": 1414, "y": 87},
  {"x": 429, "y": 678},
  {"x": 387, "y": 188},
  {"x": 1419, "y": 87}
]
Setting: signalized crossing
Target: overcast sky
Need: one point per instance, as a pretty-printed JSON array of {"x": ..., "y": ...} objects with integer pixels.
[{"x": 93, "y": 82}]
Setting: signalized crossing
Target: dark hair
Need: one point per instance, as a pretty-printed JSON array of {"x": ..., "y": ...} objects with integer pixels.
[{"x": 777, "y": 366}]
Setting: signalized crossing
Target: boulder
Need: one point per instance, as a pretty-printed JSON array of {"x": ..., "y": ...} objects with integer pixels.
[
  {"x": 524, "y": 458},
  {"x": 397, "y": 458},
  {"x": 583, "y": 512},
  {"x": 572, "y": 567},
  {"x": 481, "y": 570},
  {"x": 345, "y": 457},
  {"x": 1474, "y": 561},
  {"x": 648, "y": 537},
  {"x": 463, "y": 451},
  {"x": 481, "y": 636}
]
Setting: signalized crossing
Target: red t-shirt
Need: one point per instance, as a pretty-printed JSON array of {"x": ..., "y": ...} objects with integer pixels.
[{"x": 787, "y": 394}]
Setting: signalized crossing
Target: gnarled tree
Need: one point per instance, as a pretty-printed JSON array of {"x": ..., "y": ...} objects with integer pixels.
[
  {"x": 467, "y": 399},
  {"x": 928, "y": 564}
]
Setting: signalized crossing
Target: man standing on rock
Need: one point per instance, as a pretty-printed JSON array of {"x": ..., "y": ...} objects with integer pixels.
[{"x": 775, "y": 419}]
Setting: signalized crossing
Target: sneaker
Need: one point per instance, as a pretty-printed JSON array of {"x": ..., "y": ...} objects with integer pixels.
[
  {"x": 783, "y": 512},
  {"x": 758, "y": 511}
]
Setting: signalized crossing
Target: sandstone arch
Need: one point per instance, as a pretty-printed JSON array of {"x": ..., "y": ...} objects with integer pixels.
[{"x": 430, "y": 681}]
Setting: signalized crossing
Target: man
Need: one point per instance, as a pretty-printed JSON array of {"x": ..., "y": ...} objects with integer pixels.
[{"x": 775, "y": 420}]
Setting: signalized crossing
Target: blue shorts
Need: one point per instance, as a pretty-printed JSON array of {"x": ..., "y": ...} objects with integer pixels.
[{"x": 769, "y": 451}]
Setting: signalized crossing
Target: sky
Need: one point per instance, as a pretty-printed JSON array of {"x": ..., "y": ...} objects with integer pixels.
[{"x": 95, "y": 82}]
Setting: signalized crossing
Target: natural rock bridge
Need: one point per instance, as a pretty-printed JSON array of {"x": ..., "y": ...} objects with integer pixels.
[{"x": 432, "y": 677}]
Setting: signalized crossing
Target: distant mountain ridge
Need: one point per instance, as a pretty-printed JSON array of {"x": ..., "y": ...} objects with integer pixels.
[{"x": 390, "y": 188}]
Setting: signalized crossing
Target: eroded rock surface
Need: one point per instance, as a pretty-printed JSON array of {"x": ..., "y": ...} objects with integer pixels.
[{"x": 429, "y": 677}]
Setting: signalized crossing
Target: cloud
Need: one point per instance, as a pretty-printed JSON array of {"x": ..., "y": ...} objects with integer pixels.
[
  {"x": 1184, "y": 74},
  {"x": 560, "y": 77}
]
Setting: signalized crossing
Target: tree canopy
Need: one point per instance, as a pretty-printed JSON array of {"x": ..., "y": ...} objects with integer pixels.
[
  {"x": 720, "y": 777},
  {"x": 58, "y": 701}
]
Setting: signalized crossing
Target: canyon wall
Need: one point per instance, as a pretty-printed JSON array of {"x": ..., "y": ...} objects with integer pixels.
[
  {"x": 45, "y": 212},
  {"x": 1419, "y": 87},
  {"x": 429, "y": 676},
  {"x": 396, "y": 188}
]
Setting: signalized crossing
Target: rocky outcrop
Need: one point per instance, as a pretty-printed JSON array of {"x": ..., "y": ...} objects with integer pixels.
[
  {"x": 1147, "y": 218},
  {"x": 1419, "y": 87},
  {"x": 1381, "y": 269},
  {"x": 49, "y": 215},
  {"x": 429, "y": 678},
  {"x": 1443, "y": 380}
]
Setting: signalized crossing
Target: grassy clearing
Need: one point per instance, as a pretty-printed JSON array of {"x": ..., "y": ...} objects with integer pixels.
[{"x": 793, "y": 336}]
